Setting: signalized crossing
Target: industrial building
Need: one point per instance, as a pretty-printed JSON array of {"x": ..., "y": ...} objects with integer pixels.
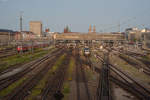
[
  {"x": 6, "y": 36},
  {"x": 36, "y": 27}
]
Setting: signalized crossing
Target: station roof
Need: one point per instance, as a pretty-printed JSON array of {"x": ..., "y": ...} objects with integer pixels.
[{"x": 89, "y": 36}]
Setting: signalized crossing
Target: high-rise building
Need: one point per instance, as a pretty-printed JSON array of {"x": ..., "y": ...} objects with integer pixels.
[{"x": 36, "y": 27}]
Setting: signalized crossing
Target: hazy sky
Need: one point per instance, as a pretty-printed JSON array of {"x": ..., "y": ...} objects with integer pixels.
[{"x": 77, "y": 14}]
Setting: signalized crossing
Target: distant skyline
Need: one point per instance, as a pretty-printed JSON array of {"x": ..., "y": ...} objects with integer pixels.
[{"x": 77, "y": 14}]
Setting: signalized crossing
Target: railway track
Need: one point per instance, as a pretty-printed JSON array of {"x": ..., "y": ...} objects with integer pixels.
[
  {"x": 103, "y": 90},
  {"x": 146, "y": 62},
  {"x": 27, "y": 65},
  {"x": 56, "y": 82},
  {"x": 133, "y": 53},
  {"x": 136, "y": 65},
  {"x": 144, "y": 65},
  {"x": 22, "y": 91},
  {"x": 32, "y": 68},
  {"x": 5, "y": 82},
  {"x": 124, "y": 85},
  {"x": 82, "y": 93},
  {"x": 138, "y": 89},
  {"x": 148, "y": 51},
  {"x": 6, "y": 50},
  {"x": 7, "y": 53}
]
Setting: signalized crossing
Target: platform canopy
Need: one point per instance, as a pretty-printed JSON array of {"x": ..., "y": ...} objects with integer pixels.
[{"x": 89, "y": 36}]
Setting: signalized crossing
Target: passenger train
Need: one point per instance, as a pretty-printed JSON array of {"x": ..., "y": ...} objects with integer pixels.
[{"x": 27, "y": 47}]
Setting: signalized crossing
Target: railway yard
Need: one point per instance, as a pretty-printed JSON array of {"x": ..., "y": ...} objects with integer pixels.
[
  {"x": 72, "y": 73},
  {"x": 74, "y": 50}
]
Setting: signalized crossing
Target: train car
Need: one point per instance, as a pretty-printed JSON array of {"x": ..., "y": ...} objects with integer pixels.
[
  {"x": 131, "y": 43},
  {"x": 71, "y": 45},
  {"x": 19, "y": 48},
  {"x": 28, "y": 47},
  {"x": 86, "y": 51},
  {"x": 22, "y": 48}
]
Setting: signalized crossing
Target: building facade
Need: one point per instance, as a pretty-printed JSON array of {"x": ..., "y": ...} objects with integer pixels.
[
  {"x": 6, "y": 36},
  {"x": 24, "y": 35},
  {"x": 146, "y": 40},
  {"x": 133, "y": 34},
  {"x": 36, "y": 27},
  {"x": 139, "y": 36}
]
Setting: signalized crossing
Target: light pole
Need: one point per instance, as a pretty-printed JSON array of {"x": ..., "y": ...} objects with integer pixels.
[
  {"x": 21, "y": 31},
  {"x": 32, "y": 43},
  {"x": 9, "y": 39}
]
